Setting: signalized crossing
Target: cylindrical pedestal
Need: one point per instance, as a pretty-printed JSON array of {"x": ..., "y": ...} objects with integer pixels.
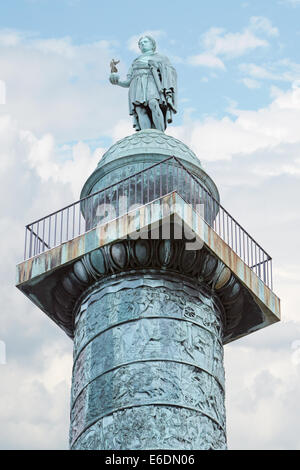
[{"x": 148, "y": 365}]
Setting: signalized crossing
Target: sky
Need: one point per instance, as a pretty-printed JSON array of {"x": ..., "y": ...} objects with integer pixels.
[{"x": 238, "y": 69}]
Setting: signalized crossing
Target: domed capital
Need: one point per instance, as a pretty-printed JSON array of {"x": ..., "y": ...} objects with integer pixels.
[{"x": 138, "y": 151}]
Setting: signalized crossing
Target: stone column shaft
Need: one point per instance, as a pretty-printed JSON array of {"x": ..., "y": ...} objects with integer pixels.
[{"x": 148, "y": 366}]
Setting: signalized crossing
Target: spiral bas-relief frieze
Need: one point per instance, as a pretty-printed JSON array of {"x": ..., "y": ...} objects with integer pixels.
[
  {"x": 150, "y": 362},
  {"x": 153, "y": 427},
  {"x": 147, "y": 344},
  {"x": 173, "y": 336}
]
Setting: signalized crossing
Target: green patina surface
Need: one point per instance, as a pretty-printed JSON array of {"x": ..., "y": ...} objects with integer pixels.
[{"x": 153, "y": 213}]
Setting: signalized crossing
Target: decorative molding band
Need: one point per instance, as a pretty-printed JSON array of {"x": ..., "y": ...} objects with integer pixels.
[{"x": 168, "y": 256}]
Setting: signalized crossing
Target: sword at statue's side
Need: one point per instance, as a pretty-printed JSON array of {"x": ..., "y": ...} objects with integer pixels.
[
  {"x": 158, "y": 84},
  {"x": 154, "y": 72}
]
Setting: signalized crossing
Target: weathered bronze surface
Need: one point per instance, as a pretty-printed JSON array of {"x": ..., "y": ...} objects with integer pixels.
[
  {"x": 152, "y": 83},
  {"x": 149, "y": 311},
  {"x": 86, "y": 259}
]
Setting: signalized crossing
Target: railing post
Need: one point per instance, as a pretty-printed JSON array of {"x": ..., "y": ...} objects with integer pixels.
[
  {"x": 74, "y": 212},
  {"x": 160, "y": 180},
  {"x": 43, "y": 239},
  {"x": 173, "y": 173},
  {"x": 271, "y": 274},
  {"x": 61, "y": 225},
  {"x": 49, "y": 231},
  {"x": 36, "y": 245},
  {"x": 25, "y": 248},
  {"x": 30, "y": 244},
  {"x": 148, "y": 186}
]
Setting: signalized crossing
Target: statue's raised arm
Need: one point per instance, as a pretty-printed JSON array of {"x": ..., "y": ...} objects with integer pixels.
[{"x": 152, "y": 83}]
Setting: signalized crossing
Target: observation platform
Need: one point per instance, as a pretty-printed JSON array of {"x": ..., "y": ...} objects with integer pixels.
[{"x": 160, "y": 218}]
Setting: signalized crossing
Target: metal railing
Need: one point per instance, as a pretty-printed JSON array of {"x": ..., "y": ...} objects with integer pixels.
[{"x": 139, "y": 189}]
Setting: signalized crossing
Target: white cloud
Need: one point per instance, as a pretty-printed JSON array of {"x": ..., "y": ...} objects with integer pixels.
[
  {"x": 231, "y": 45},
  {"x": 218, "y": 42},
  {"x": 122, "y": 128},
  {"x": 35, "y": 401},
  {"x": 283, "y": 70},
  {"x": 264, "y": 398},
  {"x": 62, "y": 47},
  {"x": 35, "y": 382},
  {"x": 55, "y": 84},
  {"x": 206, "y": 60},
  {"x": 250, "y": 83},
  {"x": 77, "y": 164},
  {"x": 248, "y": 132},
  {"x": 290, "y": 272},
  {"x": 257, "y": 71},
  {"x": 10, "y": 37},
  {"x": 260, "y": 23}
]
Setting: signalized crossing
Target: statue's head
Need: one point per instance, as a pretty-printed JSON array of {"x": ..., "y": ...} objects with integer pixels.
[{"x": 147, "y": 43}]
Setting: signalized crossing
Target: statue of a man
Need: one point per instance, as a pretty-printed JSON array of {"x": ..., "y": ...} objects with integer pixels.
[{"x": 152, "y": 83}]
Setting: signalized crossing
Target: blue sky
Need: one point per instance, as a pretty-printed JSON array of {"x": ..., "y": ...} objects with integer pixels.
[
  {"x": 238, "y": 65},
  {"x": 182, "y": 30}
]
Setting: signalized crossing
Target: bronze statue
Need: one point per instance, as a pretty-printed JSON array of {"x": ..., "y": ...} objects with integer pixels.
[{"x": 152, "y": 84}]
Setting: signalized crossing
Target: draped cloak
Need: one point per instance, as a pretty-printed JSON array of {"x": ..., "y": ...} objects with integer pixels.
[{"x": 143, "y": 87}]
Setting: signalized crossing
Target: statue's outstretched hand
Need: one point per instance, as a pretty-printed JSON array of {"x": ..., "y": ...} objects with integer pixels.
[{"x": 114, "y": 78}]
